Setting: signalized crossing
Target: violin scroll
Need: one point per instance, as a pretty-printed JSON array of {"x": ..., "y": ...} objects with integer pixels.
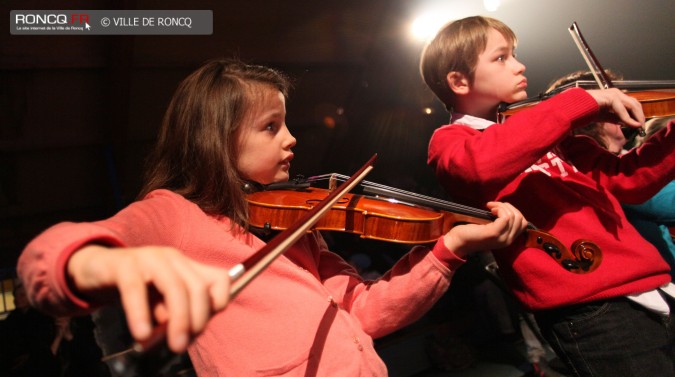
[{"x": 584, "y": 257}]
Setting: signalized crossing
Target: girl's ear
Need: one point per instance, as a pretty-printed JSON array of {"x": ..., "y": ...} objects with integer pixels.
[{"x": 457, "y": 82}]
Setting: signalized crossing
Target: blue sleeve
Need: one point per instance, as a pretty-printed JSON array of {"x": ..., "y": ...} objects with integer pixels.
[{"x": 660, "y": 208}]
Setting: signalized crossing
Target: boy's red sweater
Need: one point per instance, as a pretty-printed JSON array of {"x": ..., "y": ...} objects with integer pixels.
[{"x": 575, "y": 197}]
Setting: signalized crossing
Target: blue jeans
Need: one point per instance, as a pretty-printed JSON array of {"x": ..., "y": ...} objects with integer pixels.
[{"x": 612, "y": 338}]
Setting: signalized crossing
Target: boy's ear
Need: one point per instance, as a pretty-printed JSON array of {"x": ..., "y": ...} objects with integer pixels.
[{"x": 457, "y": 82}]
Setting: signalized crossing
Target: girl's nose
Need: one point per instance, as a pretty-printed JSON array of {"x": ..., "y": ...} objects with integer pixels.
[{"x": 290, "y": 139}]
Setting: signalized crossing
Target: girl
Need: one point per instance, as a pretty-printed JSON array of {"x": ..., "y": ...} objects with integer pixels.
[{"x": 308, "y": 313}]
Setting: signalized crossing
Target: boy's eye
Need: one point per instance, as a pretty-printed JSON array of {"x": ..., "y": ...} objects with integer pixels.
[
  {"x": 500, "y": 58},
  {"x": 270, "y": 127}
]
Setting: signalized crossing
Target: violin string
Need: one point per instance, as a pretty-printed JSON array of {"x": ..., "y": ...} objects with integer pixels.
[{"x": 413, "y": 197}]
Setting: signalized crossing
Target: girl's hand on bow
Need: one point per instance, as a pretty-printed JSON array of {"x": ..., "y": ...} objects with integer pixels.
[{"x": 151, "y": 282}]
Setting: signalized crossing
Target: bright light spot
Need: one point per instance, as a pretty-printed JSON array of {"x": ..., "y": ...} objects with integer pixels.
[
  {"x": 491, "y": 5},
  {"x": 425, "y": 27},
  {"x": 428, "y": 110}
]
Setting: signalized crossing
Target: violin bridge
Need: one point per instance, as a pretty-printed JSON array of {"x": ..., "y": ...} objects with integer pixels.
[{"x": 332, "y": 182}]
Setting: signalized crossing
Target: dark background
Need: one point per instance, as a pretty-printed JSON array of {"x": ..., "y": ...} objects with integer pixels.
[{"x": 79, "y": 114}]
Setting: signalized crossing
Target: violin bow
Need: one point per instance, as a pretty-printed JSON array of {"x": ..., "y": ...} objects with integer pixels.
[
  {"x": 151, "y": 357},
  {"x": 592, "y": 62},
  {"x": 604, "y": 82}
]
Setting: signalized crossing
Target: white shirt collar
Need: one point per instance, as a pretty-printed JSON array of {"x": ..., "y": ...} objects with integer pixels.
[{"x": 468, "y": 120}]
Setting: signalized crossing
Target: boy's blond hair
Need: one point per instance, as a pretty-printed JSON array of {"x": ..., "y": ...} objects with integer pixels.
[{"x": 455, "y": 48}]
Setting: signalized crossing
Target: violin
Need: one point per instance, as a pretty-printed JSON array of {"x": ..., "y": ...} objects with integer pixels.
[
  {"x": 656, "y": 97},
  {"x": 374, "y": 211}
]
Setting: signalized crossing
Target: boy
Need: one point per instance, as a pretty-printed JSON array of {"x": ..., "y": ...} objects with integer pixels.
[{"x": 613, "y": 320}]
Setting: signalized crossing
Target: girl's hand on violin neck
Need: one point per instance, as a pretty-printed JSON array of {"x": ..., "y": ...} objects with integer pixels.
[
  {"x": 151, "y": 282},
  {"x": 466, "y": 239},
  {"x": 618, "y": 107}
]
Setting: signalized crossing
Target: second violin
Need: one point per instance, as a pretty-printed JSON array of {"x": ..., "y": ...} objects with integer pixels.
[{"x": 657, "y": 97}]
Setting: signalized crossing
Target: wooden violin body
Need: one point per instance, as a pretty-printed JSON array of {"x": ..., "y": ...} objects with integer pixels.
[
  {"x": 387, "y": 214},
  {"x": 369, "y": 217}
]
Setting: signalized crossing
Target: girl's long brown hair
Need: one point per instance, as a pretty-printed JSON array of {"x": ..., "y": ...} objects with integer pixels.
[{"x": 196, "y": 151}]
